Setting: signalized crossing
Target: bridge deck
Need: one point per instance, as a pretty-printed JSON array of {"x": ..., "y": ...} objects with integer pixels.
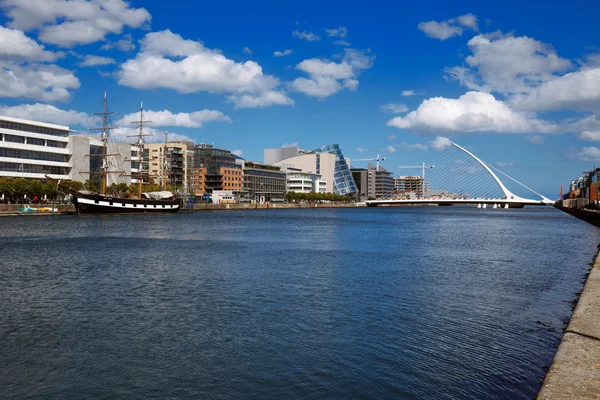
[{"x": 513, "y": 203}]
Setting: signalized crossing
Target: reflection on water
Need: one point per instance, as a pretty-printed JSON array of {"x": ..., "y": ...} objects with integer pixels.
[{"x": 444, "y": 302}]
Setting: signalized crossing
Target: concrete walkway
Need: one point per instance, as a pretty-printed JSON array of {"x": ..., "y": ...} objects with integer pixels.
[{"x": 575, "y": 370}]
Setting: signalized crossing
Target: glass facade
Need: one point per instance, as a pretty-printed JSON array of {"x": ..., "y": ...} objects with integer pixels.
[{"x": 343, "y": 183}]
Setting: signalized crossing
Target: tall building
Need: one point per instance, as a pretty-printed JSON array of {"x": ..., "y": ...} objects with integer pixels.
[
  {"x": 263, "y": 182},
  {"x": 30, "y": 149},
  {"x": 214, "y": 169}
]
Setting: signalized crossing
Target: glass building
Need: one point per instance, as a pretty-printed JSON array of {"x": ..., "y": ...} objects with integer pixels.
[{"x": 343, "y": 183}]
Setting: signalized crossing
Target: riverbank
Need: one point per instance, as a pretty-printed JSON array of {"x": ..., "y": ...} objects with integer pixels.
[
  {"x": 575, "y": 370},
  {"x": 591, "y": 216},
  {"x": 68, "y": 209}
]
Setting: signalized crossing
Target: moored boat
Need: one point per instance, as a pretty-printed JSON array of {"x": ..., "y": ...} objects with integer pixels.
[
  {"x": 95, "y": 203},
  {"x": 87, "y": 202}
]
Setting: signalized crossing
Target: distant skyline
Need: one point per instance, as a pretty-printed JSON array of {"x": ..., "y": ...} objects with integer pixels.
[{"x": 517, "y": 83}]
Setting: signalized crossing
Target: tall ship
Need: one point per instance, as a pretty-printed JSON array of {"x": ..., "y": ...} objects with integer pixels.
[{"x": 87, "y": 202}]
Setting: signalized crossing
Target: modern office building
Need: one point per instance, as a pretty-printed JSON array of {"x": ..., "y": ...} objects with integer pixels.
[
  {"x": 214, "y": 169},
  {"x": 364, "y": 182},
  {"x": 30, "y": 149},
  {"x": 384, "y": 181},
  {"x": 327, "y": 161},
  {"x": 372, "y": 182},
  {"x": 263, "y": 182}
]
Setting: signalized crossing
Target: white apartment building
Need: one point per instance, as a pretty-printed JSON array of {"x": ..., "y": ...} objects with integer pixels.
[{"x": 30, "y": 149}]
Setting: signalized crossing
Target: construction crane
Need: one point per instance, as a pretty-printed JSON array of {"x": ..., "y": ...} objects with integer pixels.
[
  {"x": 423, "y": 166},
  {"x": 376, "y": 159},
  {"x": 418, "y": 166}
]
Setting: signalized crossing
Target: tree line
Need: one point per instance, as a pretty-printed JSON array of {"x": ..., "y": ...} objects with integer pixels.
[
  {"x": 295, "y": 197},
  {"x": 22, "y": 190}
]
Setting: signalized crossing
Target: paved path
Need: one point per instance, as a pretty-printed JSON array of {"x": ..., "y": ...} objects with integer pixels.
[{"x": 575, "y": 370}]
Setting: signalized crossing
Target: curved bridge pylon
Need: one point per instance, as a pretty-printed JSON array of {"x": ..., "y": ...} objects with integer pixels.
[{"x": 453, "y": 172}]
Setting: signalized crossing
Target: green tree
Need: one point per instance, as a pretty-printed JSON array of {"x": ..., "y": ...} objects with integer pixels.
[
  {"x": 20, "y": 188},
  {"x": 35, "y": 188}
]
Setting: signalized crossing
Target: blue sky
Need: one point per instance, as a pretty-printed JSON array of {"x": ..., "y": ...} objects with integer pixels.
[{"x": 518, "y": 83}]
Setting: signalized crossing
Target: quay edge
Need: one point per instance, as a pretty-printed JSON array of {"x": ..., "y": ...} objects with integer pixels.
[{"x": 575, "y": 369}]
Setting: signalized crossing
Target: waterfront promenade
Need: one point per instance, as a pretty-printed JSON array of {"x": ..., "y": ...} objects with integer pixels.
[
  {"x": 66, "y": 209},
  {"x": 575, "y": 370}
]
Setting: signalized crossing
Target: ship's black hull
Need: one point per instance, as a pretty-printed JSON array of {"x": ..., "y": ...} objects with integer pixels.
[{"x": 98, "y": 204}]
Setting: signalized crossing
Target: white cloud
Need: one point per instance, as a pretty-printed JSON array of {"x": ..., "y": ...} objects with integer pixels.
[
  {"x": 49, "y": 114},
  {"x": 472, "y": 112},
  {"x": 317, "y": 86},
  {"x": 36, "y": 81},
  {"x": 416, "y": 146},
  {"x": 318, "y": 67},
  {"x": 450, "y": 27},
  {"x": 440, "y": 143},
  {"x": 342, "y": 43},
  {"x": 238, "y": 152},
  {"x": 504, "y": 164},
  {"x": 361, "y": 150},
  {"x": 166, "y": 60},
  {"x": 586, "y": 154},
  {"x": 389, "y": 149},
  {"x": 92, "y": 61},
  {"x": 72, "y": 22},
  {"x": 508, "y": 64},
  {"x": 246, "y": 50},
  {"x": 329, "y": 77},
  {"x": 124, "y": 44},
  {"x": 578, "y": 91},
  {"x": 268, "y": 98},
  {"x": 166, "y": 118},
  {"x": 535, "y": 139},
  {"x": 394, "y": 108},
  {"x": 19, "y": 47},
  {"x": 440, "y": 30},
  {"x": 282, "y": 53},
  {"x": 351, "y": 84},
  {"x": 308, "y": 36},
  {"x": 293, "y": 144},
  {"x": 409, "y": 93},
  {"x": 127, "y": 135},
  {"x": 468, "y": 21},
  {"x": 340, "y": 32},
  {"x": 391, "y": 137},
  {"x": 593, "y": 136}
]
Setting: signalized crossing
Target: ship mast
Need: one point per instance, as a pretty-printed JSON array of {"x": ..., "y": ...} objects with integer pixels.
[
  {"x": 165, "y": 163},
  {"x": 104, "y": 138},
  {"x": 140, "y": 148}
]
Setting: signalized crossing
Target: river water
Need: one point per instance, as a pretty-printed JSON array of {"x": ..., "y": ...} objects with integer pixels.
[{"x": 386, "y": 303}]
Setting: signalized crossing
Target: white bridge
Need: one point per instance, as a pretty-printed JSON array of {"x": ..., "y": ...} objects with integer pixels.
[{"x": 453, "y": 173}]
